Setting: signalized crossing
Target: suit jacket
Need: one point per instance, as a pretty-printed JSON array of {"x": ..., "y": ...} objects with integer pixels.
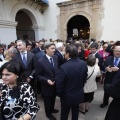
[
  {"x": 100, "y": 58},
  {"x": 81, "y": 55},
  {"x": 30, "y": 68},
  {"x": 39, "y": 55},
  {"x": 110, "y": 75},
  {"x": 70, "y": 81},
  {"x": 45, "y": 71},
  {"x": 61, "y": 60},
  {"x": 113, "y": 112},
  {"x": 36, "y": 50}
]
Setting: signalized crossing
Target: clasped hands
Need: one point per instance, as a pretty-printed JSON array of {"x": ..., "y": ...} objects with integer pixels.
[
  {"x": 50, "y": 82},
  {"x": 111, "y": 69}
]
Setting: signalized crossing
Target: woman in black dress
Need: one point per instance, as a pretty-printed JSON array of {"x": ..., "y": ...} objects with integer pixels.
[{"x": 17, "y": 99}]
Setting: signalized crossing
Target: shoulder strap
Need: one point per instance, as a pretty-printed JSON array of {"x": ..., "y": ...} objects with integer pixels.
[{"x": 91, "y": 74}]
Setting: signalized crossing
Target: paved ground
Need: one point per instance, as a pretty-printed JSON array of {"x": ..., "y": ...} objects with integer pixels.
[{"x": 95, "y": 112}]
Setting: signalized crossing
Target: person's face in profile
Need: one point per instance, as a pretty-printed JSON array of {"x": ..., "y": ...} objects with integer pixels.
[
  {"x": 9, "y": 78},
  {"x": 21, "y": 47},
  {"x": 50, "y": 51}
]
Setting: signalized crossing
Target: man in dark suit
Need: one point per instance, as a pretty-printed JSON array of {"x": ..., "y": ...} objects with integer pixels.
[
  {"x": 70, "y": 82},
  {"x": 112, "y": 66},
  {"x": 38, "y": 49},
  {"x": 113, "y": 112},
  {"x": 59, "y": 52},
  {"x": 94, "y": 49},
  {"x": 28, "y": 62},
  {"x": 46, "y": 70}
]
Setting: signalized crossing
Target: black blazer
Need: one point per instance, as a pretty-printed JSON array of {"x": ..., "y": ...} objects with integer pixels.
[
  {"x": 36, "y": 50},
  {"x": 100, "y": 58},
  {"x": 61, "y": 60},
  {"x": 39, "y": 55},
  {"x": 30, "y": 68},
  {"x": 110, "y": 75},
  {"x": 44, "y": 71},
  {"x": 113, "y": 112},
  {"x": 70, "y": 81}
]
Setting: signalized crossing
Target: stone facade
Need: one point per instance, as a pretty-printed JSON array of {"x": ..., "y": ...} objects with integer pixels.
[{"x": 91, "y": 9}]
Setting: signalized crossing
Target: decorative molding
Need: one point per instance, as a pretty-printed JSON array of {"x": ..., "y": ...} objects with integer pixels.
[{"x": 7, "y": 24}]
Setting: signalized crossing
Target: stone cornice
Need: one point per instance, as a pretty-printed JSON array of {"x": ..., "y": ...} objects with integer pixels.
[
  {"x": 7, "y": 24},
  {"x": 73, "y": 2},
  {"x": 70, "y": 2}
]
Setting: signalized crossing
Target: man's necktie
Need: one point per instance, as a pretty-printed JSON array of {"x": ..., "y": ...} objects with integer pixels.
[
  {"x": 116, "y": 62},
  {"x": 24, "y": 60},
  {"x": 51, "y": 62}
]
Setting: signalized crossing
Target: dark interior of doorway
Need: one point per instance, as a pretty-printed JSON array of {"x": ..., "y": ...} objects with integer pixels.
[
  {"x": 82, "y": 26},
  {"x": 24, "y": 27}
]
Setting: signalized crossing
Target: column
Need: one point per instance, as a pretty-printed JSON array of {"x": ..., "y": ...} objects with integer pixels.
[
  {"x": 7, "y": 31},
  {"x": 39, "y": 32}
]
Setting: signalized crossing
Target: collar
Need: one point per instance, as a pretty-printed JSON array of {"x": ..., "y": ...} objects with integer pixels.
[
  {"x": 25, "y": 52},
  {"x": 118, "y": 58},
  {"x": 94, "y": 53},
  {"x": 48, "y": 57}
]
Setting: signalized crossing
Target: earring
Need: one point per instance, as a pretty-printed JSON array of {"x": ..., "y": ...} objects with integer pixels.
[{"x": 17, "y": 76}]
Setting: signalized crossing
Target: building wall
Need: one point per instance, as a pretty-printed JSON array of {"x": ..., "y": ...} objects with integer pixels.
[
  {"x": 50, "y": 18},
  {"x": 111, "y": 20},
  {"x": 8, "y": 11},
  {"x": 45, "y": 25}
]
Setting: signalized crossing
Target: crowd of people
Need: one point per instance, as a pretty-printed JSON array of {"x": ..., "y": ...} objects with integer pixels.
[{"x": 69, "y": 70}]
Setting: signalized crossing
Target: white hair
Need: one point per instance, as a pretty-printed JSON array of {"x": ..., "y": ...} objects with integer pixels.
[{"x": 58, "y": 45}]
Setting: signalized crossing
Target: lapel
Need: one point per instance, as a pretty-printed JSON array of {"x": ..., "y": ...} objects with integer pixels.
[
  {"x": 55, "y": 64},
  {"x": 48, "y": 63},
  {"x": 60, "y": 55},
  {"x": 112, "y": 61},
  {"x": 28, "y": 59},
  {"x": 119, "y": 64},
  {"x": 18, "y": 57}
]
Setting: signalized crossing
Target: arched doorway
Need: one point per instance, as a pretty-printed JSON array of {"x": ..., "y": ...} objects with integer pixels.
[
  {"x": 24, "y": 27},
  {"x": 78, "y": 27}
]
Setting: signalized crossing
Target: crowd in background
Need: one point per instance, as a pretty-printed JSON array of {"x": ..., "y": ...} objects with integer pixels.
[{"x": 48, "y": 69}]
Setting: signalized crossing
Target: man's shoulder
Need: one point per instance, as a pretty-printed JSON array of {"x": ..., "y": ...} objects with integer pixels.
[{"x": 110, "y": 58}]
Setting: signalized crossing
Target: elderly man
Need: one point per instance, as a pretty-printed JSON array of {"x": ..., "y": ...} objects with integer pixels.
[
  {"x": 60, "y": 53},
  {"x": 112, "y": 65}
]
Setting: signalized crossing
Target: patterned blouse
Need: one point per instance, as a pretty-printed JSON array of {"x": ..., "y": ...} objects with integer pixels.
[{"x": 14, "y": 107}]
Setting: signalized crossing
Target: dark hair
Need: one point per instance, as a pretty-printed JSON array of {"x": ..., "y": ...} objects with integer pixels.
[
  {"x": 117, "y": 43},
  {"x": 93, "y": 39},
  {"x": 94, "y": 45},
  {"x": 16, "y": 68},
  {"x": 78, "y": 45},
  {"x": 72, "y": 50},
  {"x": 47, "y": 45},
  {"x": 91, "y": 60}
]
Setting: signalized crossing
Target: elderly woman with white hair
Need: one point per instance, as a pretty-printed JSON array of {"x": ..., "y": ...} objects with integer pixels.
[{"x": 60, "y": 53}]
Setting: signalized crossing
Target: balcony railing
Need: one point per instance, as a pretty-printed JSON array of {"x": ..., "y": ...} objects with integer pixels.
[{"x": 41, "y": 2}]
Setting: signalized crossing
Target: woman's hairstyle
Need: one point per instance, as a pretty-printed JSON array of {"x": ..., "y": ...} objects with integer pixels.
[
  {"x": 14, "y": 67},
  {"x": 91, "y": 60}
]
